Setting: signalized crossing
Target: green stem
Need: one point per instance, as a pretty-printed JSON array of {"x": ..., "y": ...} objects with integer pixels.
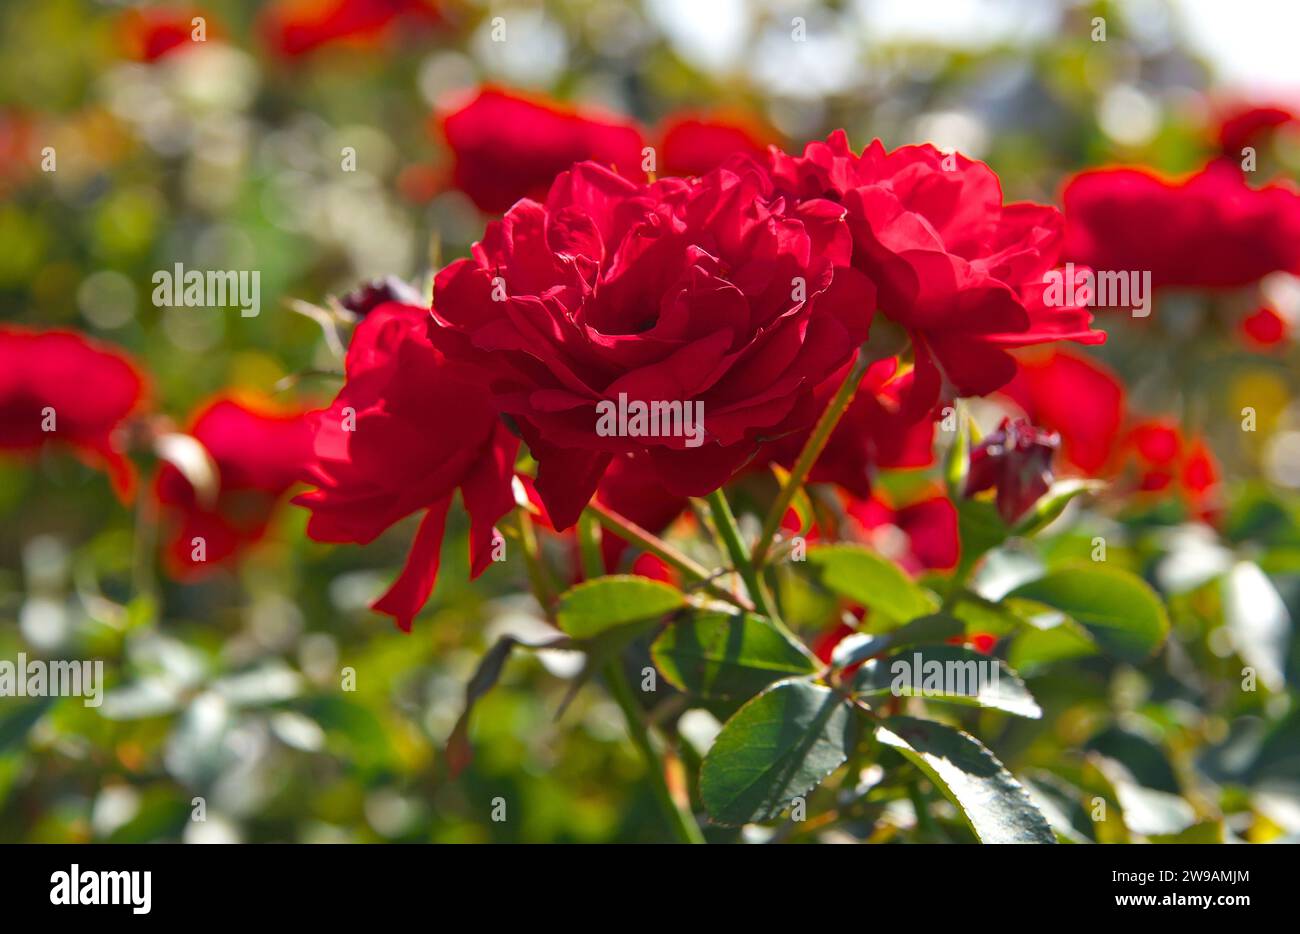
[
  {"x": 812, "y": 450},
  {"x": 593, "y": 562},
  {"x": 682, "y": 821},
  {"x": 538, "y": 577},
  {"x": 725, "y": 522},
  {"x": 690, "y": 569}
]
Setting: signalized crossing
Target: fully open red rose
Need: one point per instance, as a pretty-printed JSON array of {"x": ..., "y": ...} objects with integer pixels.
[
  {"x": 700, "y": 293},
  {"x": 58, "y": 387},
  {"x": 259, "y": 452},
  {"x": 963, "y": 273},
  {"x": 1209, "y": 230},
  {"x": 407, "y": 430},
  {"x": 508, "y": 146}
]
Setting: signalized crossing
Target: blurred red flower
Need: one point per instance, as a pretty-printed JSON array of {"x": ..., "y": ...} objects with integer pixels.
[
  {"x": 1264, "y": 328},
  {"x": 919, "y": 536},
  {"x": 259, "y": 451},
  {"x": 147, "y": 34},
  {"x": 299, "y": 27},
  {"x": 1246, "y": 124},
  {"x": 507, "y": 146},
  {"x": 1208, "y": 230},
  {"x": 700, "y": 292},
  {"x": 406, "y": 431},
  {"x": 963, "y": 273},
  {"x": 1078, "y": 398},
  {"x": 1167, "y": 462},
  {"x": 60, "y": 387},
  {"x": 694, "y": 145}
]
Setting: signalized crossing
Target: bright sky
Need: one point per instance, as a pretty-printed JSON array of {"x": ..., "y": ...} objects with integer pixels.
[{"x": 1252, "y": 44}]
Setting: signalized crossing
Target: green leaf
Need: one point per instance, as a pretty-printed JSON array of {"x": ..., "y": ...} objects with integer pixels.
[
  {"x": 996, "y": 806},
  {"x": 861, "y": 646},
  {"x": 724, "y": 655},
  {"x": 950, "y": 674},
  {"x": 779, "y": 746},
  {"x": 1052, "y": 503},
  {"x": 981, "y": 530},
  {"x": 871, "y": 580},
  {"x": 594, "y": 606},
  {"x": 485, "y": 677},
  {"x": 1033, "y": 649},
  {"x": 956, "y": 462},
  {"x": 18, "y": 721},
  {"x": 1120, "y": 611}
]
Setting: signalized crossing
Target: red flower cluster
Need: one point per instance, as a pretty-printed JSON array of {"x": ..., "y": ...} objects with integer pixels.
[
  {"x": 739, "y": 297},
  {"x": 1169, "y": 462}
]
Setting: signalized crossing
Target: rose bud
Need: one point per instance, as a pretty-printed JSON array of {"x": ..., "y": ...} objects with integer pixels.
[
  {"x": 1016, "y": 460},
  {"x": 368, "y": 296}
]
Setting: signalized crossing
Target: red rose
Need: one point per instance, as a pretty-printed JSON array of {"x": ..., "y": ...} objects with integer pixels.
[
  {"x": 58, "y": 387},
  {"x": 700, "y": 293},
  {"x": 298, "y": 27},
  {"x": 1209, "y": 230},
  {"x": 407, "y": 430},
  {"x": 1016, "y": 461},
  {"x": 694, "y": 146},
  {"x": 1076, "y": 397},
  {"x": 259, "y": 452},
  {"x": 963, "y": 273},
  {"x": 507, "y": 146}
]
